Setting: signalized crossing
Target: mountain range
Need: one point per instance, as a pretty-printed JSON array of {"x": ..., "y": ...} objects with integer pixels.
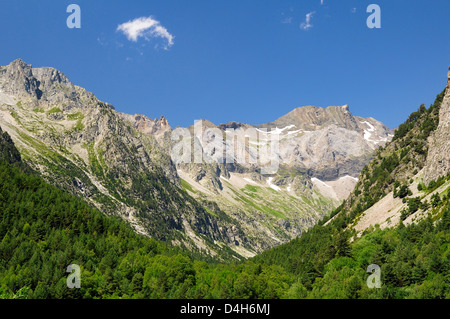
[
  {"x": 82, "y": 182},
  {"x": 122, "y": 164}
]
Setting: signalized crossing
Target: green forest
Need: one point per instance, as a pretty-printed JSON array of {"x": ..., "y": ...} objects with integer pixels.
[{"x": 43, "y": 230}]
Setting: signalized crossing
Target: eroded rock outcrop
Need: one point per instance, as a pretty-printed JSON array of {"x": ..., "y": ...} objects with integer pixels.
[{"x": 438, "y": 160}]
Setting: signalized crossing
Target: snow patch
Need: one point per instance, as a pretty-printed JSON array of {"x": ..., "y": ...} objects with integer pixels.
[
  {"x": 298, "y": 131},
  {"x": 372, "y": 128},
  {"x": 273, "y": 186},
  {"x": 276, "y": 130},
  {"x": 368, "y": 134},
  {"x": 288, "y": 127}
]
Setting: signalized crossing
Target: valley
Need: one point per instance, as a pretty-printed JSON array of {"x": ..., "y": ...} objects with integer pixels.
[{"x": 85, "y": 184}]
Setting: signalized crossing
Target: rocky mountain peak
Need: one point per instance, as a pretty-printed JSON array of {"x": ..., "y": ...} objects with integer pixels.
[
  {"x": 448, "y": 77},
  {"x": 314, "y": 118},
  {"x": 50, "y": 75},
  {"x": 17, "y": 79},
  {"x": 146, "y": 125},
  {"x": 164, "y": 123},
  {"x": 19, "y": 64},
  {"x": 22, "y": 81}
]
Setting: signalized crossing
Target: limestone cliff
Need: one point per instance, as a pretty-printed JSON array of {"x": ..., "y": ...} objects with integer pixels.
[{"x": 438, "y": 160}]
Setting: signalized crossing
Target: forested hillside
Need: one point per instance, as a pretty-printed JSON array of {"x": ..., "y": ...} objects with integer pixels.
[
  {"x": 414, "y": 260},
  {"x": 43, "y": 230}
]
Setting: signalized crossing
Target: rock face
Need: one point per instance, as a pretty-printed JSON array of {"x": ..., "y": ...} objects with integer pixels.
[
  {"x": 323, "y": 143},
  {"x": 21, "y": 82},
  {"x": 438, "y": 160},
  {"x": 329, "y": 142},
  {"x": 147, "y": 125}
]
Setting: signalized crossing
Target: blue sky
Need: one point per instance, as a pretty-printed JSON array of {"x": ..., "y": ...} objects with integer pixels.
[{"x": 247, "y": 61}]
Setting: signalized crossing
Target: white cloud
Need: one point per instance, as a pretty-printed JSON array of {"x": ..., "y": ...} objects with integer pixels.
[
  {"x": 147, "y": 28},
  {"x": 353, "y": 10},
  {"x": 321, "y": 2},
  {"x": 307, "y": 24}
]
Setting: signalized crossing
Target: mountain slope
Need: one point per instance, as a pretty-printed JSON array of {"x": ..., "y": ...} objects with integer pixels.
[
  {"x": 394, "y": 180},
  {"x": 40, "y": 239},
  {"x": 84, "y": 146},
  {"x": 394, "y": 218},
  {"x": 43, "y": 230}
]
